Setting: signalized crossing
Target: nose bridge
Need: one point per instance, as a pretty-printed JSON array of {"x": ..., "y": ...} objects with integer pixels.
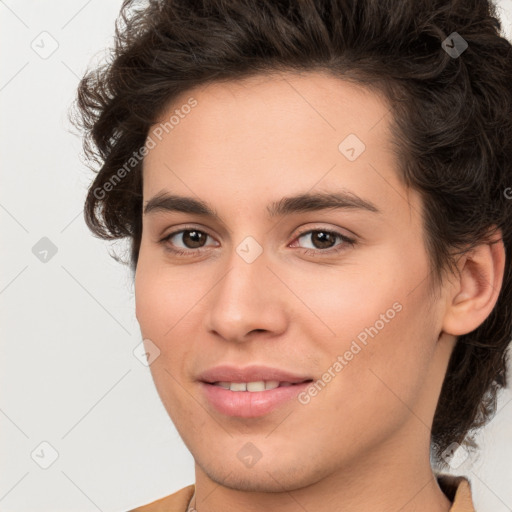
[
  {"x": 243, "y": 299},
  {"x": 243, "y": 286}
]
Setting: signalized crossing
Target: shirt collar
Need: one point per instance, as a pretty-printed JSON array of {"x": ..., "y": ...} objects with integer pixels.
[{"x": 458, "y": 490}]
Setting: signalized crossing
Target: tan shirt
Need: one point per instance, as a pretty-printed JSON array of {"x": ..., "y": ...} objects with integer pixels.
[{"x": 457, "y": 489}]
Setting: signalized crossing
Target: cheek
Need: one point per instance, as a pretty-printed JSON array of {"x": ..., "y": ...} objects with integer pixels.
[
  {"x": 161, "y": 297},
  {"x": 385, "y": 359},
  {"x": 167, "y": 304},
  {"x": 382, "y": 334},
  {"x": 162, "y": 303}
]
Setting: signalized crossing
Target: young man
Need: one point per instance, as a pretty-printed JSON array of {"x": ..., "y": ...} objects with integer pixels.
[{"x": 316, "y": 198}]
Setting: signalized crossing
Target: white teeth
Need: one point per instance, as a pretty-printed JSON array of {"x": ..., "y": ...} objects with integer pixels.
[
  {"x": 252, "y": 386},
  {"x": 256, "y": 386},
  {"x": 238, "y": 386}
]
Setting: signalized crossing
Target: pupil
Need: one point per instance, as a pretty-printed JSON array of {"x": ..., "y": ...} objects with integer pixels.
[
  {"x": 191, "y": 235},
  {"x": 323, "y": 236}
]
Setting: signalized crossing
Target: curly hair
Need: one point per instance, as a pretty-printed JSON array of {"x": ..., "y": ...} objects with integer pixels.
[{"x": 451, "y": 125}]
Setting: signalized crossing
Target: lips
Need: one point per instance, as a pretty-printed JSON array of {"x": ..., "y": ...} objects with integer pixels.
[
  {"x": 238, "y": 401},
  {"x": 249, "y": 404}
]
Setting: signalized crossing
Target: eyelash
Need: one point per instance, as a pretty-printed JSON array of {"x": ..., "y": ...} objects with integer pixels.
[{"x": 333, "y": 250}]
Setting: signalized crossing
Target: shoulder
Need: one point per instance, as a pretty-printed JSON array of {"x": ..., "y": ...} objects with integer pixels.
[{"x": 176, "y": 502}]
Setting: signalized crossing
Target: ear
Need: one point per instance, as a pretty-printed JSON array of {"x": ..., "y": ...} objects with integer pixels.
[{"x": 475, "y": 290}]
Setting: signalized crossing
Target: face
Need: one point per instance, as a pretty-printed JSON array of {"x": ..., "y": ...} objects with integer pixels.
[{"x": 338, "y": 295}]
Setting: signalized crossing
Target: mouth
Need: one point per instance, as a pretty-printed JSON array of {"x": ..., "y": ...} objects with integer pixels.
[
  {"x": 255, "y": 386},
  {"x": 250, "y": 399}
]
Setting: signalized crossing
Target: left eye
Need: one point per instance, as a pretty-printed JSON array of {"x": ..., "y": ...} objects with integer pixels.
[{"x": 323, "y": 240}]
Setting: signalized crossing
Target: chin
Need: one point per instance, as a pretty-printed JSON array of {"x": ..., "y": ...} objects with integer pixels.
[{"x": 263, "y": 478}]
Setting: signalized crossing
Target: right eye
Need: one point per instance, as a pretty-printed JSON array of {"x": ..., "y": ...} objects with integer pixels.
[{"x": 192, "y": 240}]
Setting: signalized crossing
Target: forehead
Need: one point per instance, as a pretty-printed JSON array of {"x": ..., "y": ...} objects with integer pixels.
[
  {"x": 279, "y": 104},
  {"x": 279, "y": 131}
]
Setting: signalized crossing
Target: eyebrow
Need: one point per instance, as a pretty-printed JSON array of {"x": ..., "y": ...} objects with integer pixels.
[{"x": 305, "y": 202}]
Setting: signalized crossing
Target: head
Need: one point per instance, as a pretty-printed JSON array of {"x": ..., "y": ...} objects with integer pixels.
[{"x": 240, "y": 105}]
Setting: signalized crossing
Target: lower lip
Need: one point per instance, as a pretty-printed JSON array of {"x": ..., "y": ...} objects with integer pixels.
[{"x": 250, "y": 404}]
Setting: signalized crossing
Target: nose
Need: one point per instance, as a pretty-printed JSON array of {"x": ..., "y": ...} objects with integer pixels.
[{"x": 248, "y": 299}]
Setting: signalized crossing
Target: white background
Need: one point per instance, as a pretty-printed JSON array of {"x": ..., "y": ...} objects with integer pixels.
[{"x": 69, "y": 376}]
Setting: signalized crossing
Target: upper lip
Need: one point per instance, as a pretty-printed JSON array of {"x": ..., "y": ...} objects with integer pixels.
[{"x": 255, "y": 373}]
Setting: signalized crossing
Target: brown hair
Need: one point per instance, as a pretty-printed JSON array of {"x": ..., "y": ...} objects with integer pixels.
[{"x": 452, "y": 124}]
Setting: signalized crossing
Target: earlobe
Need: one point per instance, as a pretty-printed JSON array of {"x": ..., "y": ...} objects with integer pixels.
[{"x": 475, "y": 291}]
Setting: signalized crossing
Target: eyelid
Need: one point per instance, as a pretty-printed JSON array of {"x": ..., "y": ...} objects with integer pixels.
[
  {"x": 336, "y": 230},
  {"x": 190, "y": 227}
]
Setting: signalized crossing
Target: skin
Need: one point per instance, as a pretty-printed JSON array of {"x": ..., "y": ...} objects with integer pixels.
[{"x": 362, "y": 443}]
